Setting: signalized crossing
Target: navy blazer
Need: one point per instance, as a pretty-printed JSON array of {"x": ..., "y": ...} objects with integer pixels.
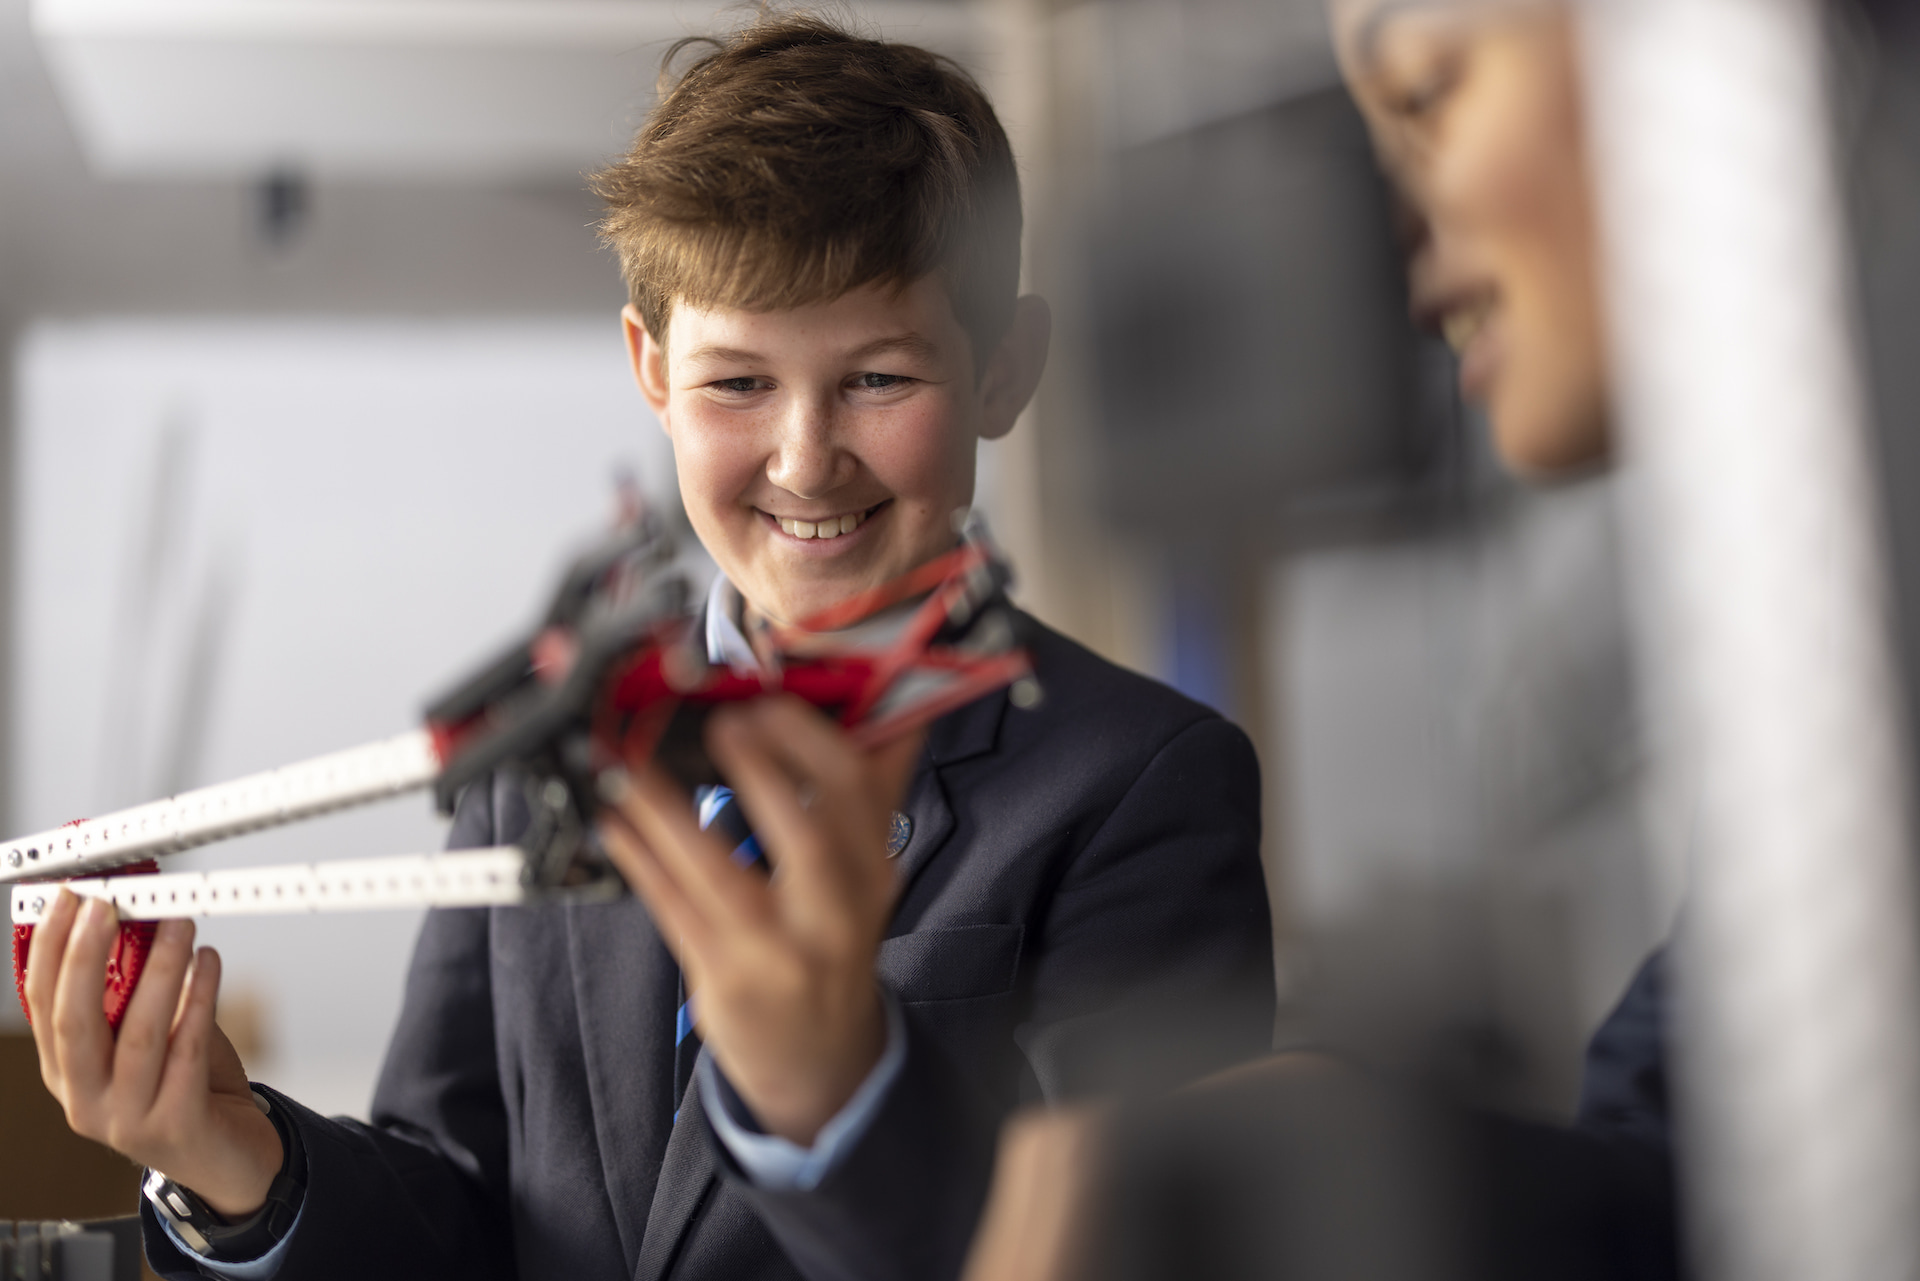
[
  {"x": 1623, "y": 1092},
  {"x": 1082, "y": 901}
]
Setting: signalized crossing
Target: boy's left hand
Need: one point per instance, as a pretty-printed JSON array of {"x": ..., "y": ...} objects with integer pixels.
[{"x": 783, "y": 967}]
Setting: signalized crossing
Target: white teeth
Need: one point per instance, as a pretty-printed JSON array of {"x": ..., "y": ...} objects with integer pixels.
[
  {"x": 1459, "y": 327},
  {"x": 831, "y": 527}
]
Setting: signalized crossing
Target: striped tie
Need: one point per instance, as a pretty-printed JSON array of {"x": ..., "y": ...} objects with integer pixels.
[{"x": 721, "y": 814}]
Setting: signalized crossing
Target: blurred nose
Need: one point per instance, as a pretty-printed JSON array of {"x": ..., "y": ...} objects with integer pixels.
[{"x": 807, "y": 459}]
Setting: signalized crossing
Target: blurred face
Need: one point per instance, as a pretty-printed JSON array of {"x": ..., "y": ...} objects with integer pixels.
[
  {"x": 1474, "y": 109},
  {"x": 823, "y": 451}
]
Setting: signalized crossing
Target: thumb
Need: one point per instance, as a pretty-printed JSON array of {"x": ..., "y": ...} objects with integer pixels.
[{"x": 226, "y": 1074}]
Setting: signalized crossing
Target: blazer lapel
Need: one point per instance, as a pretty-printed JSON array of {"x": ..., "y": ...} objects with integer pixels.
[
  {"x": 625, "y": 987},
  {"x": 687, "y": 1178},
  {"x": 960, "y": 735}
]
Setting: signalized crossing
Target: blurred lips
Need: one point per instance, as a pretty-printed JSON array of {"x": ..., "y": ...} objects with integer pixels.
[
  {"x": 1474, "y": 336},
  {"x": 1469, "y": 321}
]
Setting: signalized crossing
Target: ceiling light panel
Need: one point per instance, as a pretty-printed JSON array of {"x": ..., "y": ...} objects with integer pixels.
[{"x": 406, "y": 90}]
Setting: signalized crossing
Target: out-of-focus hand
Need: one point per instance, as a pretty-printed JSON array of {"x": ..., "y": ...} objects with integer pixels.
[
  {"x": 1037, "y": 1221},
  {"x": 169, "y": 1092},
  {"x": 782, "y": 968}
]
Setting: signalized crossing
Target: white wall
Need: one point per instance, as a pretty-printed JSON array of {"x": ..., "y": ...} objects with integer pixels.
[{"x": 357, "y": 511}]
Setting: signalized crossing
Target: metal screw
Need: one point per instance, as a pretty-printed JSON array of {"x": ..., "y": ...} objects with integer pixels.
[{"x": 13, "y": 858}]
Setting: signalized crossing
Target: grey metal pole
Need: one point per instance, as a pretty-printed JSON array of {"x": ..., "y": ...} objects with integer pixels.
[{"x": 1766, "y": 634}]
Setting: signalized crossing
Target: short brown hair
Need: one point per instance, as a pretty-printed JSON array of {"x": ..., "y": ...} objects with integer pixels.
[{"x": 794, "y": 162}]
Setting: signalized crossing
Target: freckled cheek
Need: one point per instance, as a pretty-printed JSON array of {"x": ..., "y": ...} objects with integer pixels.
[
  {"x": 924, "y": 458},
  {"x": 717, "y": 462}
]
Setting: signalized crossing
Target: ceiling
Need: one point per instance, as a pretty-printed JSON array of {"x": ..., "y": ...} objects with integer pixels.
[
  {"x": 440, "y": 144},
  {"x": 394, "y": 90}
]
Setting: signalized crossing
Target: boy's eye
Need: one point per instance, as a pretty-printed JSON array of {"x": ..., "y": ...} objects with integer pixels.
[
  {"x": 880, "y": 382},
  {"x": 739, "y": 386}
]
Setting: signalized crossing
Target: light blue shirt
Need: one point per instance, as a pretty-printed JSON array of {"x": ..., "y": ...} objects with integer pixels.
[{"x": 768, "y": 1160}]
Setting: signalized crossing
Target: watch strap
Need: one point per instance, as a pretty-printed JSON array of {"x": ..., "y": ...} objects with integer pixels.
[{"x": 207, "y": 1233}]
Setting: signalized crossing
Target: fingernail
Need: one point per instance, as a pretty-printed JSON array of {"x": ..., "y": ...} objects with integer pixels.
[{"x": 175, "y": 931}]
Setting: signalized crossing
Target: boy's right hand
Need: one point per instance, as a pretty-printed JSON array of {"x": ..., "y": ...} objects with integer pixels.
[{"x": 169, "y": 1092}]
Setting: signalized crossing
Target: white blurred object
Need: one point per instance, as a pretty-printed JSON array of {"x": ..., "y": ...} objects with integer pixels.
[
  {"x": 1767, "y": 634},
  {"x": 431, "y": 90},
  {"x": 407, "y": 491}
]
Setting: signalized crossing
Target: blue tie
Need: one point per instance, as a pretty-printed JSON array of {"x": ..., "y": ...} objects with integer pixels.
[{"x": 720, "y": 813}]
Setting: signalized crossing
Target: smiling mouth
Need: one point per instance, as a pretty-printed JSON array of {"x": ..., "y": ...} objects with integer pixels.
[{"x": 825, "y": 527}]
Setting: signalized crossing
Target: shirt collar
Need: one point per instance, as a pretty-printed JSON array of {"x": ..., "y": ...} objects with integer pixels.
[{"x": 726, "y": 642}]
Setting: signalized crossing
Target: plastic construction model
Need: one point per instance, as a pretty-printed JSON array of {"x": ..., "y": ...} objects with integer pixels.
[{"x": 617, "y": 670}]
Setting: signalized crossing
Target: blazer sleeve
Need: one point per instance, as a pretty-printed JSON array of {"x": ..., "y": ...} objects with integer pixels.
[
  {"x": 422, "y": 1192},
  {"x": 1153, "y": 950},
  {"x": 1155, "y": 963}
]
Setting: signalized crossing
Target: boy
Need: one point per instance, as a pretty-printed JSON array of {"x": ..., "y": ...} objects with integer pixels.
[{"x": 821, "y": 238}]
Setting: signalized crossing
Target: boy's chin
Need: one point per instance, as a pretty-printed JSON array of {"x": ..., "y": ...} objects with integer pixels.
[{"x": 793, "y": 596}]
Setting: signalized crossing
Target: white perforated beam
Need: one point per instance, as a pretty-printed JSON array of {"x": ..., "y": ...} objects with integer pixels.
[
  {"x": 285, "y": 795},
  {"x": 464, "y": 878}
]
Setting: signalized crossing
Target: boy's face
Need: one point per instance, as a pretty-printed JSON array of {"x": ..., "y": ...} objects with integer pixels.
[{"x": 823, "y": 450}]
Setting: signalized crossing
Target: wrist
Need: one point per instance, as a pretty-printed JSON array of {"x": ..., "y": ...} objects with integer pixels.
[
  {"x": 240, "y": 1188},
  {"x": 804, "y": 1112},
  {"x": 235, "y": 1222}
]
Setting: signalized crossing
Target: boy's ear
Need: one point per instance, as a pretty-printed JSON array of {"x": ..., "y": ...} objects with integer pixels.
[
  {"x": 1013, "y": 371},
  {"x": 648, "y": 360}
]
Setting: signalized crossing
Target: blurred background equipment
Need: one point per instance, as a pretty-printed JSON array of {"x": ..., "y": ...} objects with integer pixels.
[{"x": 62, "y": 1250}]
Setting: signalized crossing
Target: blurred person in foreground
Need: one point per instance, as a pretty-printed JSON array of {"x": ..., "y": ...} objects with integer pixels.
[
  {"x": 1310, "y": 1166},
  {"x": 744, "y": 1072}
]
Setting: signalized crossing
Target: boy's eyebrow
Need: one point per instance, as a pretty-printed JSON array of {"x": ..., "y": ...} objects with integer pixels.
[
  {"x": 729, "y": 355},
  {"x": 907, "y": 344}
]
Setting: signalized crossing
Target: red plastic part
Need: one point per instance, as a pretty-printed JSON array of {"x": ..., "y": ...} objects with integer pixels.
[{"x": 124, "y": 964}]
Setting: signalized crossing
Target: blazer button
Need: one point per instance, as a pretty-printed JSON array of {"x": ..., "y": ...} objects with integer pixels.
[{"x": 898, "y": 834}]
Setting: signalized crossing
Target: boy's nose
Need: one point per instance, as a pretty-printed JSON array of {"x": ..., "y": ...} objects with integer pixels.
[{"x": 807, "y": 460}]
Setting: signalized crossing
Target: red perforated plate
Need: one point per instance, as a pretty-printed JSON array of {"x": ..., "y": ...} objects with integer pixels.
[{"x": 124, "y": 964}]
